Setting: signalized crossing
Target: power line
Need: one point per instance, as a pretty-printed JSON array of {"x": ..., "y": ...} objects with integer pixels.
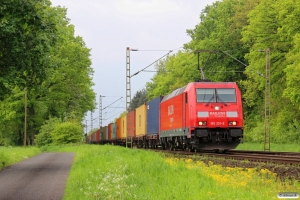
[{"x": 151, "y": 64}]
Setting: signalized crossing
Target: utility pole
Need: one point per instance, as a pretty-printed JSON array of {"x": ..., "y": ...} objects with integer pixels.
[
  {"x": 25, "y": 117},
  {"x": 100, "y": 111},
  {"x": 267, "y": 103},
  {"x": 128, "y": 94}
]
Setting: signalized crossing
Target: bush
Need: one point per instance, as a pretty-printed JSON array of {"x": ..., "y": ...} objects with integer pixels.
[
  {"x": 67, "y": 132},
  {"x": 44, "y": 137}
]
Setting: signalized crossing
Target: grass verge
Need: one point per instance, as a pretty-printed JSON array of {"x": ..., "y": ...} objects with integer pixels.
[
  {"x": 273, "y": 147},
  {"x": 12, "y": 155},
  {"x": 110, "y": 172}
]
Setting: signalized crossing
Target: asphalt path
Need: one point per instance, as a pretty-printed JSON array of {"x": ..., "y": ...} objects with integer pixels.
[{"x": 42, "y": 177}]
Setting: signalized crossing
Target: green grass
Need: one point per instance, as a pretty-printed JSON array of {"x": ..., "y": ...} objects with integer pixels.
[
  {"x": 110, "y": 172},
  {"x": 12, "y": 155},
  {"x": 273, "y": 147}
]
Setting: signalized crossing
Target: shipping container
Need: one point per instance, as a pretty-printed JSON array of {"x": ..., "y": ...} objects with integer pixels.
[
  {"x": 93, "y": 137},
  {"x": 153, "y": 116},
  {"x": 124, "y": 126},
  {"x": 131, "y": 123},
  {"x": 114, "y": 130},
  {"x": 119, "y": 128},
  {"x": 106, "y": 132},
  {"x": 103, "y": 133},
  {"x": 171, "y": 112},
  {"x": 110, "y": 131},
  {"x": 97, "y": 135},
  {"x": 141, "y": 120}
]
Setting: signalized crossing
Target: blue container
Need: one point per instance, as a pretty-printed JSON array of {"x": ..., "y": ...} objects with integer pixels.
[
  {"x": 114, "y": 131},
  {"x": 153, "y": 116}
]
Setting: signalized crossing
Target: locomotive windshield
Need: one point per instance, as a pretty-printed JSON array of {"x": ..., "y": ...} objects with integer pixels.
[{"x": 215, "y": 95}]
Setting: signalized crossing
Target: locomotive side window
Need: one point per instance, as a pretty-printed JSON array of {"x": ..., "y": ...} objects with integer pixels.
[
  {"x": 226, "y": 95},
  {"x": 205, "y": 95}
]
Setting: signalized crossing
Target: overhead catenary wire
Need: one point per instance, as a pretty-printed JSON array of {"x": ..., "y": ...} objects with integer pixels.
[{"x": 151, "y": 64}]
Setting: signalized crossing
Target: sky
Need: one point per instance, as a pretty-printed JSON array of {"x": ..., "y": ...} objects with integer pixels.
[{"x": 108, "y": 27}]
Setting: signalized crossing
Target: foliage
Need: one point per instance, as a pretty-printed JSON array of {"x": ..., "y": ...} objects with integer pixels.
[
  {"x": 67, "y": 132},
  {"x": 173, "y": 72},
  {"x": 138, "y": 99},
  {"x": 27, "y": 32},
  {"x": 280, "y": 36},
  {"x": 55, "y": 68},
  {"x": 232, "y": 37},
  {"x": 45, "y": 137}
]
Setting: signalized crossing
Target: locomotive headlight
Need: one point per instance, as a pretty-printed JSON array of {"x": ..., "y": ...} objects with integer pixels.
[
  {"x": 217, "y": 108},
  {"x": 202, "y": 123},
  {"x": 233, "y": 123}
]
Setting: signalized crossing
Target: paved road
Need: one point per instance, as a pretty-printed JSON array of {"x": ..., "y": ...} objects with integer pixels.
[{"x": 42, "y": 177}]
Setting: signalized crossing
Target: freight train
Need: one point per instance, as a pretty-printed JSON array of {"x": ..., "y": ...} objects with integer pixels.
[{"x": 200, "y": 115}]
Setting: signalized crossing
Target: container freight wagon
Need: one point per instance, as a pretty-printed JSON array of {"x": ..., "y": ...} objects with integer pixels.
[
  {"x": 110, "y": 131},
  {"x": 103, "y": 134},
  {"x": 124, "y": 127},
  {"x": 202, "y": 115},
  {"x": 97, "y": 136},
  {"x": 140, "y": 125},
  {"x": 172, "y": 120},
  {"x": 131, "y": 124},
  {"x": 153, "y": 114},
  {"x": 114, "y": 131},
  {"x": 106, "y": 132},
  {"x": 88, "y": 139},
  {"x": 93, "y": 137}
]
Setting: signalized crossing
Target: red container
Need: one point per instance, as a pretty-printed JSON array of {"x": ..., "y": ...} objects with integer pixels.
[
  {"x": 131, "y": 124},
  {"x": 171, "y": 112},
  {"x": 97, "y": 135}
]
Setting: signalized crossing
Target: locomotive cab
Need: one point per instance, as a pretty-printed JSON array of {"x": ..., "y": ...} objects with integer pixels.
[{"x": 219, "y": 117}]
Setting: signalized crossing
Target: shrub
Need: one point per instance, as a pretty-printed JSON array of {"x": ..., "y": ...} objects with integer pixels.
[
  {"x": 67, "y": 132},
  {"x": 44, "y": 137}
]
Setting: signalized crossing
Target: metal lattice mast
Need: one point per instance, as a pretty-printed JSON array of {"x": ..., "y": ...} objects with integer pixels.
[
  {"x": 100, "y": 111},
  {"x": 128, "y": 93},
  {"x": 267, "y": 103}
]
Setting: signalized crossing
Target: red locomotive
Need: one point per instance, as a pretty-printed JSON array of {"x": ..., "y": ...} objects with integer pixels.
[{"x": 202, "y": 115}]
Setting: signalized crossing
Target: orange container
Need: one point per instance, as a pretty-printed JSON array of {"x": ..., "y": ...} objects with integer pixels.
[
  {"x": 141, "y": 120},
  {"x": 131, "y": 123},
  {"x": 119, "y": 128}
]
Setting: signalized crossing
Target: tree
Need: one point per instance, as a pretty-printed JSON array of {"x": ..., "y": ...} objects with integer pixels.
[
  {"x": 64, "y": 93},
  {"x": 138, "y": 99},
  {"x": 280, "y": 36},
  {"x": 27, "y": 31}
]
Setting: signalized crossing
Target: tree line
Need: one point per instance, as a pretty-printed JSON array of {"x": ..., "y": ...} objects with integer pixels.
[
  {"x": 237, "y": 33},
  {"x": 40, "y": 53}
]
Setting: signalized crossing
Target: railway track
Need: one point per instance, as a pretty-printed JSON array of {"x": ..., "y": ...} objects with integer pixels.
[{"x": 290, "y": 158}]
